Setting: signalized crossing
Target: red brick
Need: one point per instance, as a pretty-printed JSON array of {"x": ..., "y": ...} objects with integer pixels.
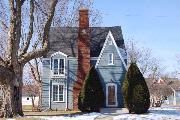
[{"x": 83, "y": 54}]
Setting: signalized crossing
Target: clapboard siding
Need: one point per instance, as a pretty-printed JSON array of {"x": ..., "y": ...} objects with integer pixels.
[
  {"x": 112, "y": 73},
  {"x": 72, "y": 71},
  {"x": 45, "y": 84},
  {"x": 108, "y": 73}
]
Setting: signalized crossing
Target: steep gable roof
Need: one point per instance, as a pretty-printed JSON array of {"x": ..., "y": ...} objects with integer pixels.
[
  {"x": 118, "y": 51},
  {"x": 65, "y": 39}
]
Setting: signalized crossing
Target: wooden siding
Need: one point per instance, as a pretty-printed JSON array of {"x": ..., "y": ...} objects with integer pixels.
[
  {"x": 45, "y": 84},
  {"x": 72, "y": 72},
  {"x": 108, "y": 73},
  {"x": 112, "y": 73}
]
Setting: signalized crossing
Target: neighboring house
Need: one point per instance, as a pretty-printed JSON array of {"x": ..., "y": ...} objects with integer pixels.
[
  {"x": 26, "y": 100},
  {"x": 29, "y": 92},
  {"x": 72, "y": 51},
  {"x": 164, "y": 91},
  {"x": 174, "y": 98}
]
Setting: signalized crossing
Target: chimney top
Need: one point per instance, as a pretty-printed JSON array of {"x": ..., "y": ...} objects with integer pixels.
[
  {"x": 83, "y": 9},
  {"x": 83, "y": 18}
]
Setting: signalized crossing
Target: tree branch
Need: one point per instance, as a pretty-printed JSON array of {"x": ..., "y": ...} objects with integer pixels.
[
  {"x": 22, "y": 2},
  {"x": 2, "y": 62},
  {"x": 28, "y": 41},
  {"x": 38, "y": 53},
  {"x": 11, "y": 35},
  {"x": 35, "y": 71},
  {"x": 36, "y": 3}
]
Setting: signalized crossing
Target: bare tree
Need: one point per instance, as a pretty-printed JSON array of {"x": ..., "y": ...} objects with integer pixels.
[
  {"x": 18, "y": 52},
  {"x": 69, "y": 20},
  {"x": 30, "y": 88},
  {"x": 35, "y": 75},
  {"x": 149, "y": 66}
]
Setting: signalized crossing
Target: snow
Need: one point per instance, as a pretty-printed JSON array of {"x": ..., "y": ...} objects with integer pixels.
[
  {"x": 164, "y": 113},
  {"x": 154, "y": 114},
  {"x": 89, "y": 116}
]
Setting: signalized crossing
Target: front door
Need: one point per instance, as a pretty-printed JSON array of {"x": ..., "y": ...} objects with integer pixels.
[{"x": 111, "y": 95}]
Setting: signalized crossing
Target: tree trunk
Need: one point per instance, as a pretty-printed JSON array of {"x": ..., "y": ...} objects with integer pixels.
[
  {"x": 40, "y": 96},
  {"x": 32, "y": 99},
  {"x": 12, "y": 102}
]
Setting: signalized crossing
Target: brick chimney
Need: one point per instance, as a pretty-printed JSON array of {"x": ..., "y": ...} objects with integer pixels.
[{"x": 83, "y": 54}]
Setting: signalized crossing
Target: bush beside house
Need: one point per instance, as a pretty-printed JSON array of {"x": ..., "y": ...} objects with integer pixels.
[
  {"x": 135, "y": 91},
  {"x": 91, "y": 97}
]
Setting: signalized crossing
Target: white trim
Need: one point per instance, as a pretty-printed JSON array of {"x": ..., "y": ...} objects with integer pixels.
[
  {"x": 93, "y": 58},
  {"x": 58, "y": 53},
  {"x": 73, "y": 58},
  {"x": 45, "y": 59},
  {"x": 107, "y": 85},
  {"x": 111, "y": 58},
  {"x": 105, "y": 43},
  {"x": 66, "y": 96},
  {"x": 64, "y": 92},
  {"x": 49, "y": 93},
  {"x": 58, "y": 75}
]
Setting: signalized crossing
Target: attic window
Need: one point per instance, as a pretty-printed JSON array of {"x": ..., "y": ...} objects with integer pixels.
[
  {"x": 110, "y": 59},
  {"x": 109, "y": 41}
]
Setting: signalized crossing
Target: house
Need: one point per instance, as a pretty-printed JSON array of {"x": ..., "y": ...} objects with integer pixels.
[
  {"x": 174, "y": 98},
  {"x": 72, "y": 51},
  {"x": 164, "y": 91},
  {"x": 30, "y": 94}
]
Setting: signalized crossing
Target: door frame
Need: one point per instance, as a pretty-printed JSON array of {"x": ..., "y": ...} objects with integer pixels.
[{"x": 116, "y": 102}]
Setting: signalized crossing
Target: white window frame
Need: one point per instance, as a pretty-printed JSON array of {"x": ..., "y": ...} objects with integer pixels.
[
  {"x": 109, "y": 41},
  {"x": 58, "y": 92},
  {"x": 112, "y": 55},
  {"x": 107, "y": 85},
  {"x": 58, "y": 67}
]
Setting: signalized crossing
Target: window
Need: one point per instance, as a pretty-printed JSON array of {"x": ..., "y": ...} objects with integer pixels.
[
  {"x": 110, "y": 59},
  {"x": 109, "y": 41},
  {"x": 59, "y": 67},
  {"x": 58, "y": 93}
]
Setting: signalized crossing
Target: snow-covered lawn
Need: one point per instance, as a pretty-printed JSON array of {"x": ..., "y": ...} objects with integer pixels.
[
  {"x": 154, "y": 114},
  {"x": 165, "y": 113},
  {"x": 90, "y": 116}
]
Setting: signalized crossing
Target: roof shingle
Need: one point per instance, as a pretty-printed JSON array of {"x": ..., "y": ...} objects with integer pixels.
[{"x": 65, "y": 39}]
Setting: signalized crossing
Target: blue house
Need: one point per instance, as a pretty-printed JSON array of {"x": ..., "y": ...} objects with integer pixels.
[{"x": 72, "y": 51}]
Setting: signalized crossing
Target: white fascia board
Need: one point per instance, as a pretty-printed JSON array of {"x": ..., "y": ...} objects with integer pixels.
[
  {"x": 105, "y": 43},
  {"x": 104, "y": 46},
  {"x": 58, "y": 53}
]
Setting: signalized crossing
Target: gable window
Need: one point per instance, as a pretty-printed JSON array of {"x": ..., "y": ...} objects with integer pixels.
[
  {"x": 109, "y": 41},
  {"x": 110, "y": 59},
  {"x": 58, "y": 67},
  {"x": 58, "y": 93}
]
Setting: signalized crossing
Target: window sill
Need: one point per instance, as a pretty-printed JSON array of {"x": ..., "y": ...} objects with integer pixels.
[
  {"x": 111, "y": 64},
  {"x": 58, "y": 76},
  {"x": 58, "y": 101}
]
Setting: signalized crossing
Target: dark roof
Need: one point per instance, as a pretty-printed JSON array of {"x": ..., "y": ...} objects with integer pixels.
[
  {"x": 173, "y": 82},
  {"x": 64, "y": 39}
]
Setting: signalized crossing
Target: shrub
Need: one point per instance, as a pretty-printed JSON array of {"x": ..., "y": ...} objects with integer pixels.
[
  {"x": 91, "y": 96},
  {"x": 135, "y": 91}
]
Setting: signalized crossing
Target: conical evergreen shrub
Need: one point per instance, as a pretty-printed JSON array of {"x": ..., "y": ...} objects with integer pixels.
[
  {"x": 135, "y": 91},
  {"x": 91, "y": 97}
]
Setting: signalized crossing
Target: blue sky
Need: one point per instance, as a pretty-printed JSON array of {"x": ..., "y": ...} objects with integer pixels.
[{"x": 154, "y": 24}]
